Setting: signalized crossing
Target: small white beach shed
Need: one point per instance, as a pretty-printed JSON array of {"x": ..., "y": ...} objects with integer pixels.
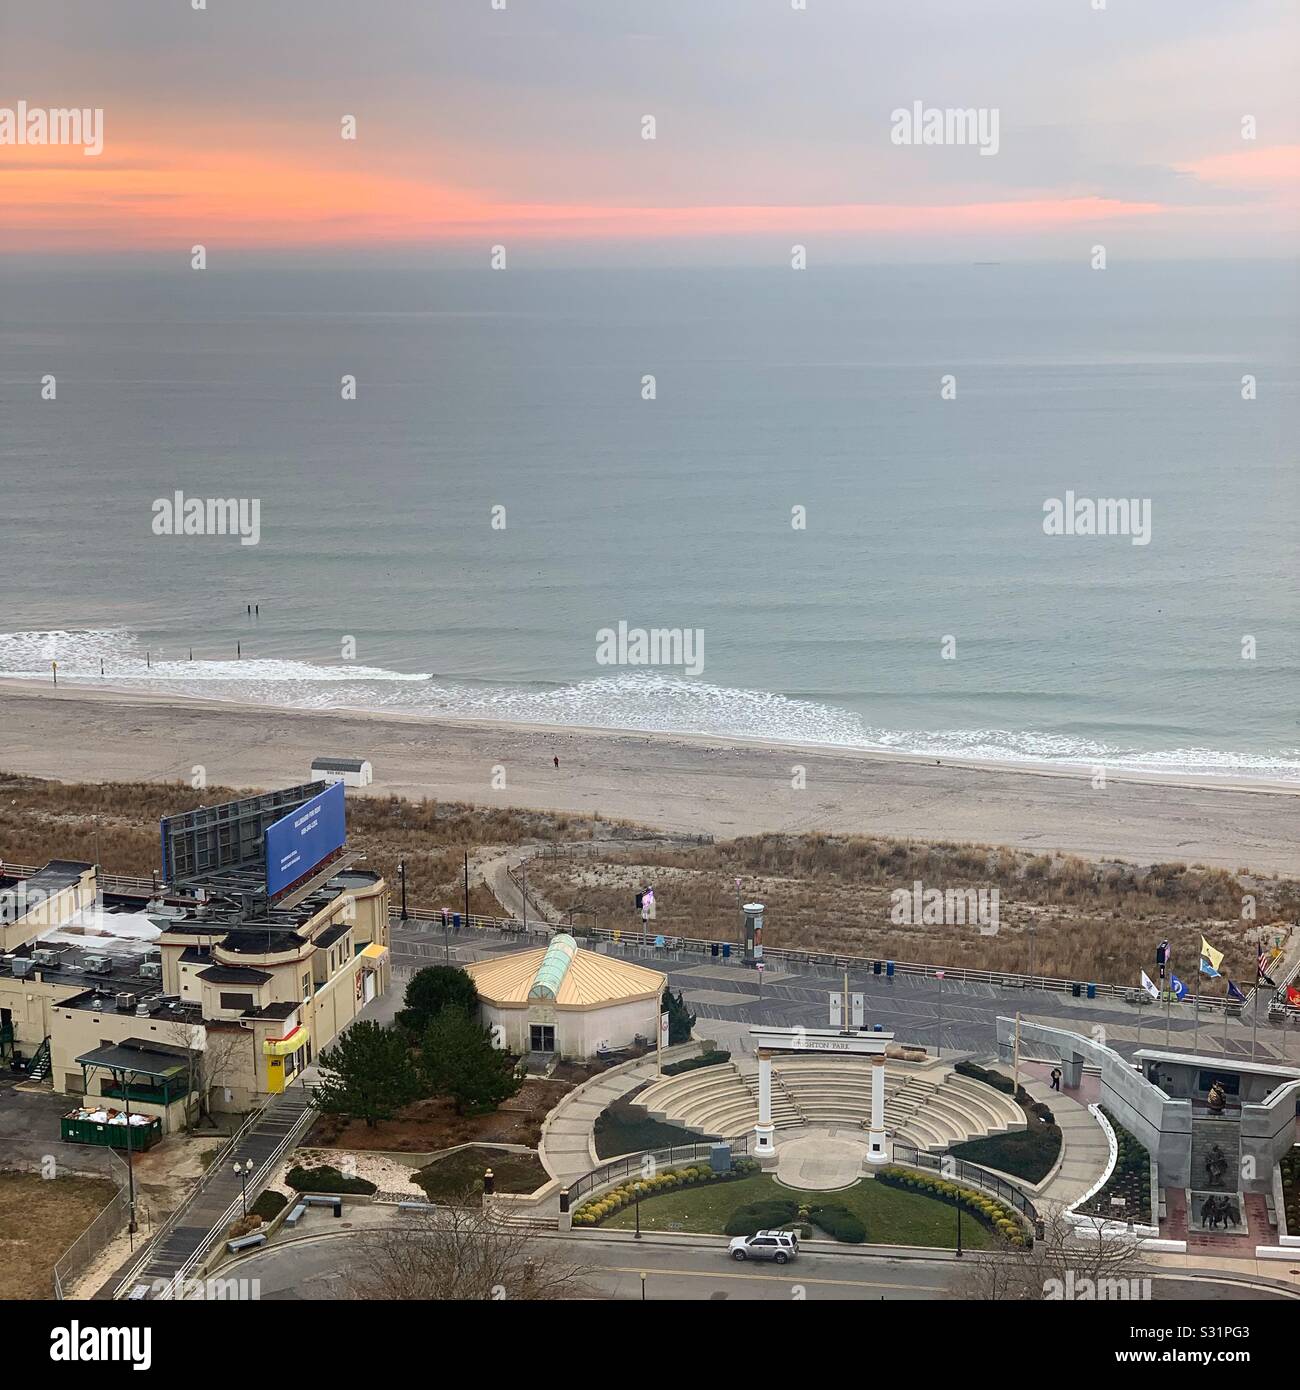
[{"x": 352, "y": 772}]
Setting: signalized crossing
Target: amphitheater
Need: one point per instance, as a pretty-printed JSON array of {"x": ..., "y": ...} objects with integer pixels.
[{"x": 927, "y": 1104}]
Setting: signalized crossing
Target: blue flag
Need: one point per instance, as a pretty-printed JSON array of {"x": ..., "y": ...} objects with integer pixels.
[
  {"x": 1179, "y": 989},
  {"x": 1235, "y": 994},
  {"x": 1208, "y": 969}
]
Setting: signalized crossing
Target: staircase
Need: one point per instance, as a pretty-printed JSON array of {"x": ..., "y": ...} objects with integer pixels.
[
  {"x": 786, "y": 1114},
  {"x": 1207, "y": 1131},
  {"x": 40, "y": 1067}
]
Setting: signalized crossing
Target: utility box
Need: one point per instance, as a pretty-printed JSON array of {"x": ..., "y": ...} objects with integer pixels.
[{"x": 720, "y": 1158}]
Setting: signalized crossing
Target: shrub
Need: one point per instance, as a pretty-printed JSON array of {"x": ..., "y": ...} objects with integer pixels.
[
  {"x": 325, "y": 1179},
  {"x": 705, "y": 1059},
  {"x": 839, "y": 1222},
  {"x": 761, "y": 1216},
  {"x": 269, "y": 1205}
]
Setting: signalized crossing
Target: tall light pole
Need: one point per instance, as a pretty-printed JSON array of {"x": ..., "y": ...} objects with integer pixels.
[
  {"x": 401, "y": 873},
  {"x": 938, "y": 1050},
  {"x": 242, "y": 1172}
]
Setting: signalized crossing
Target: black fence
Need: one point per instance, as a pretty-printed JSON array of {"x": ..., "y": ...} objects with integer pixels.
[{"x": 957, "y": 1170}]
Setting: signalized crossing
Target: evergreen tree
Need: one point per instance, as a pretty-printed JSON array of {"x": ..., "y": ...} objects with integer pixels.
[
  {"x": 458, "y": 1060},
  {"x": 368, "y": 1074},
  {"x": 433, "y": 989},
  {"x": 680, "y": 1019}
]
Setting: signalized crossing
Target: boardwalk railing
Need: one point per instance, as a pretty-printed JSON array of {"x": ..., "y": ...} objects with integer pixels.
[{"x": 1001, "y": 979}]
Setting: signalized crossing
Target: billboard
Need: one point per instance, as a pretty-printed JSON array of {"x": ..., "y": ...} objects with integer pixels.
[
  {"x": 305, "y": 838},
  {"x": 229, "y": 836}
]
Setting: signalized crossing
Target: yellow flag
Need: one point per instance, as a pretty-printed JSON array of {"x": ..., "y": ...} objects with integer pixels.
[{"x": 1214, "y": 957}]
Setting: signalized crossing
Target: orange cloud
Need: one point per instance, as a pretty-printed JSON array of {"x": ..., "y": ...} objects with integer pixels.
[
  {"x": 1271, "y": 166},
  {"x": 140, "y": 197}
]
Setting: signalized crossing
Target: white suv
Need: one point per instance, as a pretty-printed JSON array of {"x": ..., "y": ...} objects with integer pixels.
[{"x": 778, "y": 1246}]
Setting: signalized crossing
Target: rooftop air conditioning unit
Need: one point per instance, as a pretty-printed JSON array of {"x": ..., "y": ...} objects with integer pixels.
[
  {"x": 98, "y": 965},
  {"x": 23, "y": 966},
  {"x": 44, "y": 957},
  {"x": 150, "y": 970},
  {"x": 125, "y": 1003}
]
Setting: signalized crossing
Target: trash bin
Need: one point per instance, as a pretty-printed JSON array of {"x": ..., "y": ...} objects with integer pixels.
[
  {"x": 726, "y": 950},
  {"x": 713, "y": 948},
  {"x": 1092, "y": 991},
  {"x": 877, "y": 1027},
  {"x": 1076, "y": 990},
  {"x": 875, "y": 967},
  {"x": 455, "y": 921},
  {"x": 889, "y": 969}
]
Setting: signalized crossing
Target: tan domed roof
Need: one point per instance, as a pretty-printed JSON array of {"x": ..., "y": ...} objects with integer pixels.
[{"x": 591, "y": 980}]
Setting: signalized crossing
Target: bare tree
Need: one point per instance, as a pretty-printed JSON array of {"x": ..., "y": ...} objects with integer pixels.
[
  {"x": 461, "y": 1252},
  {"x": 1085, "y": 1262}
]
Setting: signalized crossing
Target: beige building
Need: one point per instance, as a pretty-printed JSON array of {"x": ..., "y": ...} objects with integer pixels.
[
  {"x": 241, "y": 1000},
  {"x": 563, "y": 1000}
]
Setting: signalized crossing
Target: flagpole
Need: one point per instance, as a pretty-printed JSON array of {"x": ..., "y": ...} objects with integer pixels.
[
  {"x": 1254, "y": 1013},
  {"x": 1196, "y": 1004},
  {"x": 1169, "y": 992},
  {"x": 1225, "y": 1021}
]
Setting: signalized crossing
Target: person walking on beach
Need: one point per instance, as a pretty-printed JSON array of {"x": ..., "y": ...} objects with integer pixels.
[
  {"x": 557, "y": 763},
  {"x": 1056, "y": 1078}
]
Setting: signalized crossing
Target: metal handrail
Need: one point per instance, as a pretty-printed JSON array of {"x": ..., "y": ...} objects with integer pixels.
[
  {"x": 911, "y": 1157},
  {"x": 628, "y": 1164}
]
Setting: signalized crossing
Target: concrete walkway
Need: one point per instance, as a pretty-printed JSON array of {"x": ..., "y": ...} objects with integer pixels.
[
  {"x": 567, "y": 1148},
  {"x": 1084, "y": 1149},
  {"x": 820, "y": 1159}
]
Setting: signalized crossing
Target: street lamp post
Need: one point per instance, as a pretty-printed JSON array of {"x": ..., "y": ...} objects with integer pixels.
[
  {"x": 401, "y": 873},
  {"x": 242, "y": 1171},
  {"x": 636, "y": 1198},
  {"x": 642, "y": 1286},
  {"x": 959, "y": 1250}
]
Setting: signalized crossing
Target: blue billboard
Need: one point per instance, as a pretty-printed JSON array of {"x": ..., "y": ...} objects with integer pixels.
[{"x": 299, "y": 842}]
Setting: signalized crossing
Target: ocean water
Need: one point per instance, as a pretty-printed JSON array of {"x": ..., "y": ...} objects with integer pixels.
[{"x": 774, "y": 390}]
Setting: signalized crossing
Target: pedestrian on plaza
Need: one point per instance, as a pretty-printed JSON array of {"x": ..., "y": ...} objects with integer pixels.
[{"x": 1056, "y": 1078}]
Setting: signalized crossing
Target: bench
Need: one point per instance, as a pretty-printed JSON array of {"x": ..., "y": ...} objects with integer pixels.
[
  {"x": 322, "y": 1201},
  {"x": 296, "y": 1214},
  {"x": 415, "y": 1206},
  {"x": 246, "y": 1242}
]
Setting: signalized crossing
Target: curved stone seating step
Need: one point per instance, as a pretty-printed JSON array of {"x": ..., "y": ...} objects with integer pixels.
[{"x": 1004, "y": 1112}]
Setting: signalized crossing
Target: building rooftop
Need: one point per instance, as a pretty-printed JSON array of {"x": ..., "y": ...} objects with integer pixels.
[
  {"x": 589, "y": 981},
  {"x": 338, "y": 764},
  {"x": 234, "y": 975}
]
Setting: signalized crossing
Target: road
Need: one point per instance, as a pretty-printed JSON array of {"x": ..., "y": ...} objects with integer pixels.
[{"x": 317, "y": 1269}]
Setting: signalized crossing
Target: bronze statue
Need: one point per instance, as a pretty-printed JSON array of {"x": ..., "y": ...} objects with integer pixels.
[
  {"x": 1216, "y": 1167},
  {"x": 1218, "y": 1098}
]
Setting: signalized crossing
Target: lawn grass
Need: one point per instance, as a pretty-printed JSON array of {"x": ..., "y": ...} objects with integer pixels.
[
  {"x": 457, "y": 1173},
  {"x": 891, "y": 1216}
]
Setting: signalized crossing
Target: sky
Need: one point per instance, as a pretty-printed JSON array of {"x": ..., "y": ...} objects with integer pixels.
[{"x": 524, "y": 126}]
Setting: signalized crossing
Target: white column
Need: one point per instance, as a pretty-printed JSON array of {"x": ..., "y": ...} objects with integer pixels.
[
  {"x": 877, "y": 1151},
  {"x": 764, "y": 1129}
]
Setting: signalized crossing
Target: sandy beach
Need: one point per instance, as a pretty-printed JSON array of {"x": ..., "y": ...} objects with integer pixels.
[{"x": 717, "y": 786}]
